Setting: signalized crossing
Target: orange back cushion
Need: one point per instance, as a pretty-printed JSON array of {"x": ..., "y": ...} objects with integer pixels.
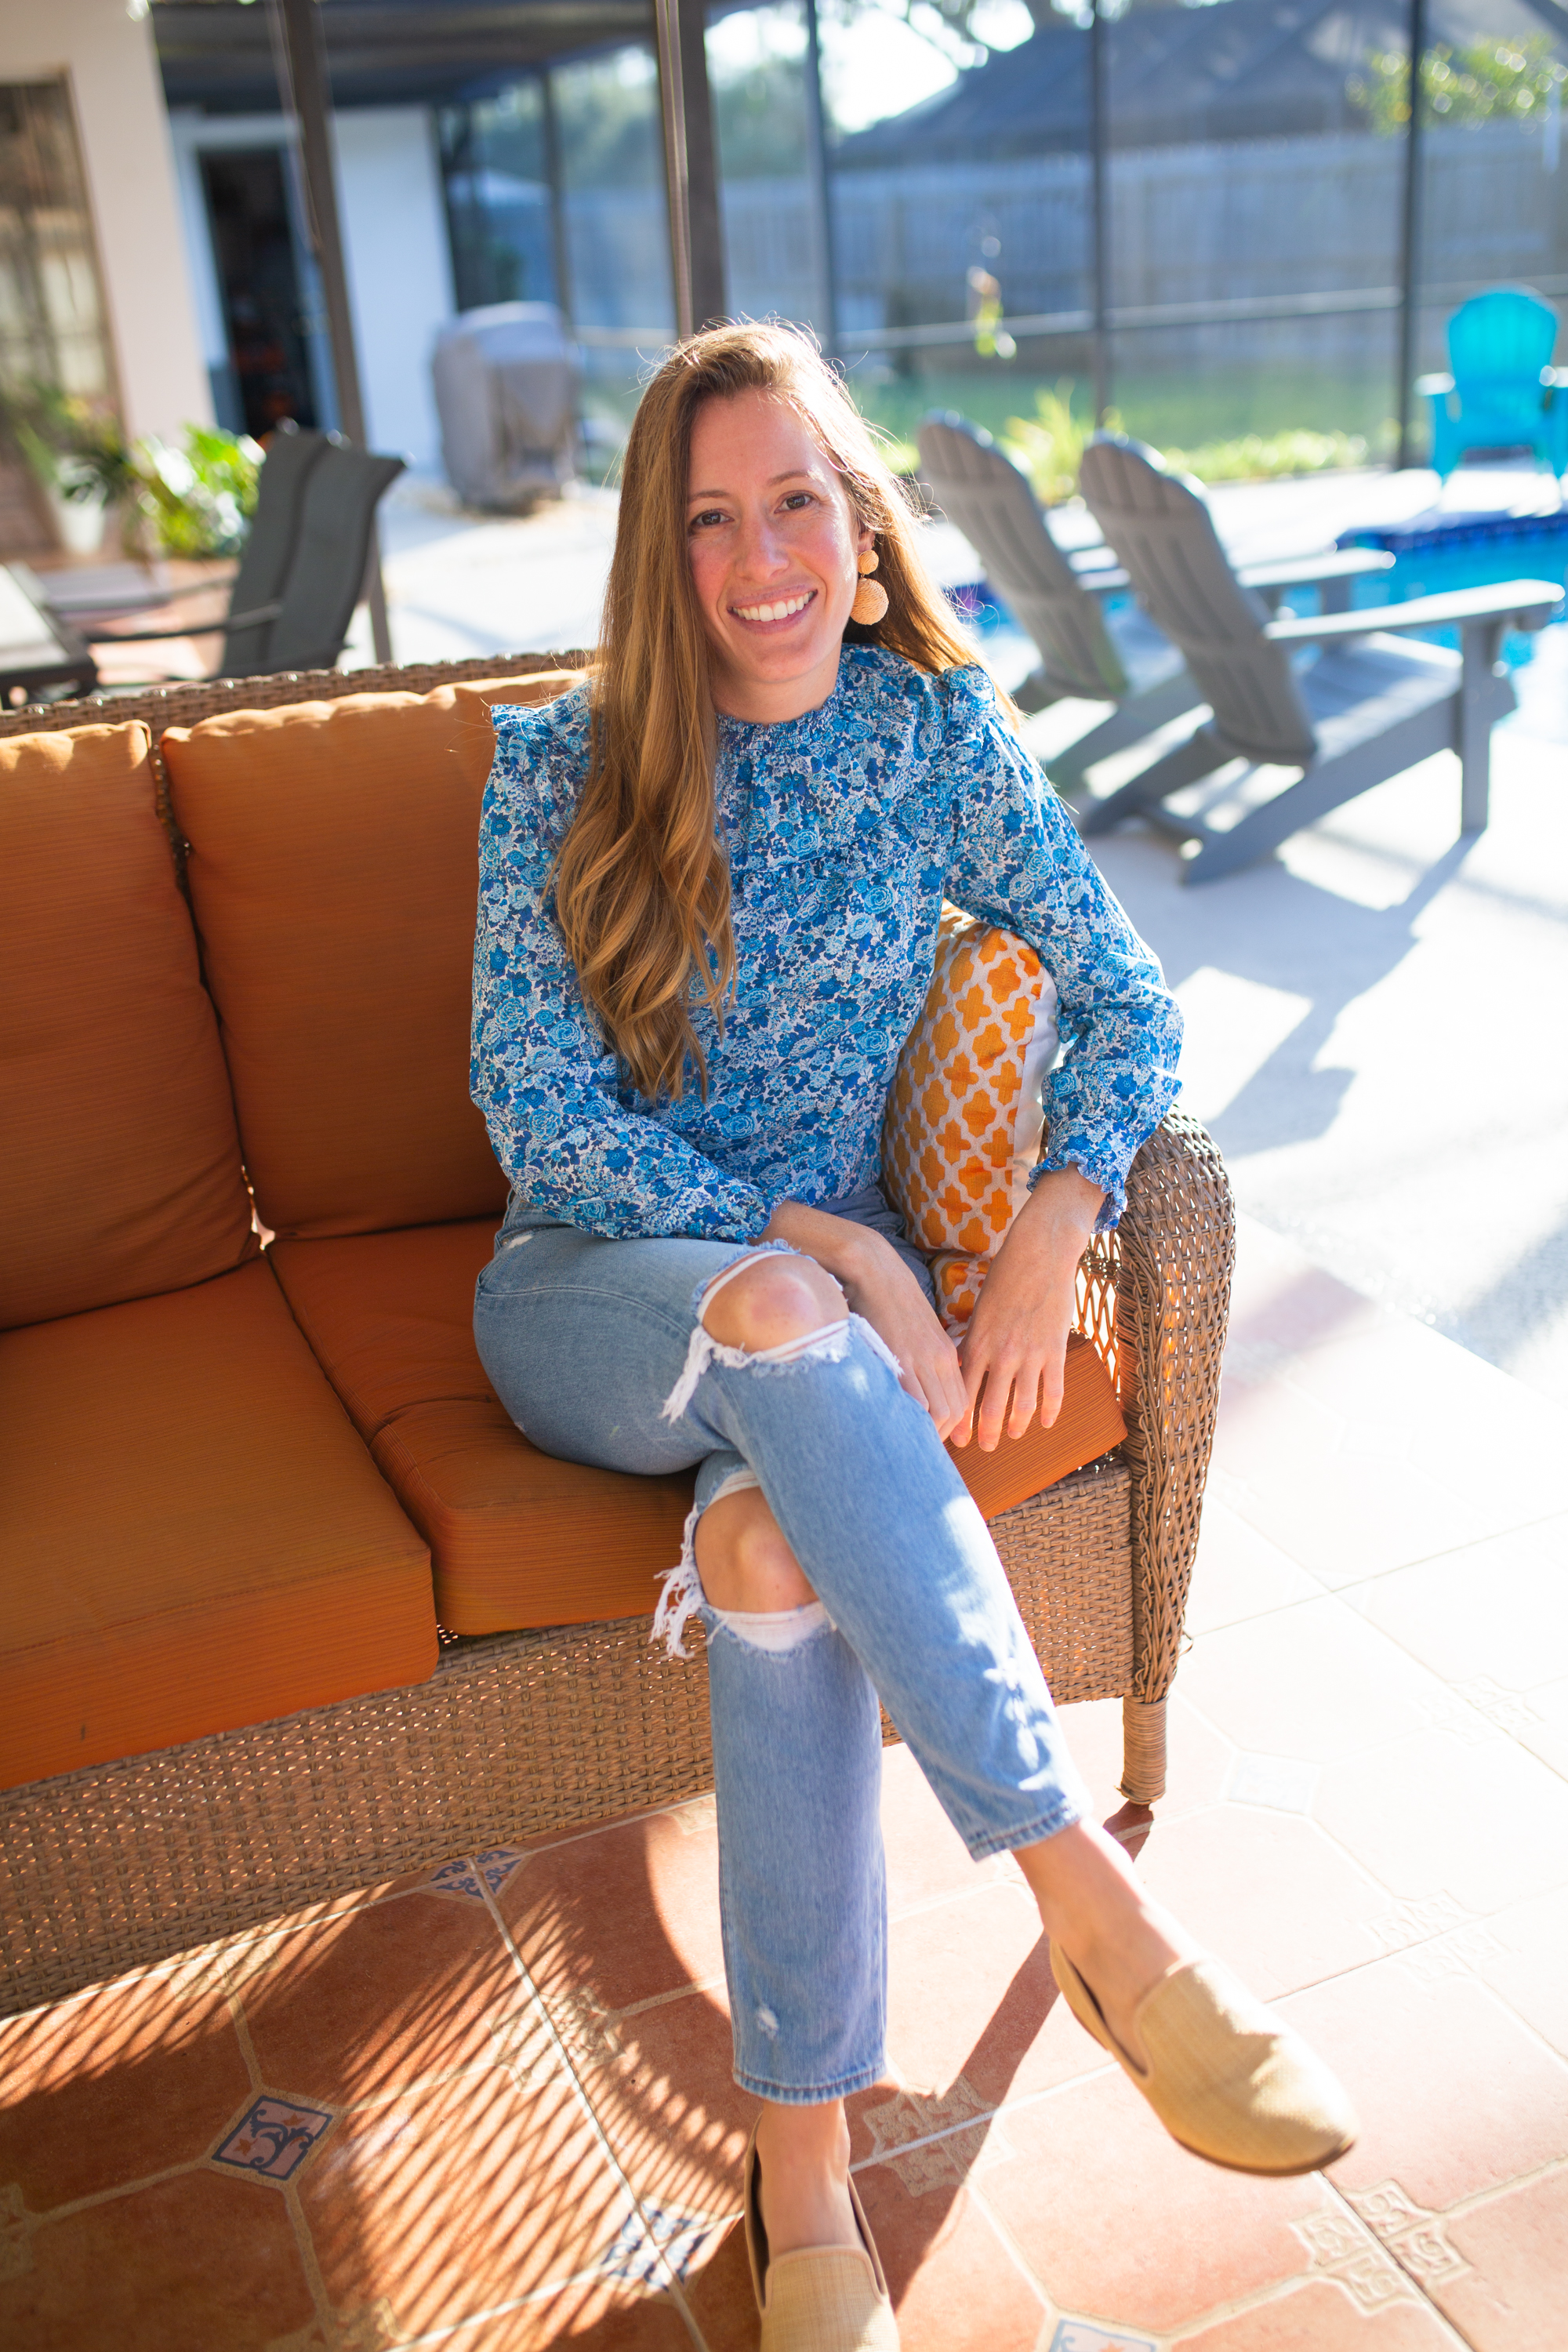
[
  {"x": 122, "y": 1172},
  {"x": 335, "y": 872},
  {"x": 964, "y": 1120}
]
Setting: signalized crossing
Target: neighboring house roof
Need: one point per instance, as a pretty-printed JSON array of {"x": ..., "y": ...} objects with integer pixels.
[{"x": 1248, "y": 69}]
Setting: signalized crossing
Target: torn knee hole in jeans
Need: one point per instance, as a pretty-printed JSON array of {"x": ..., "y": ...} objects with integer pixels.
[
  {"x": 682, "y": 1596},
  {"x": 828, "y": 1343}
]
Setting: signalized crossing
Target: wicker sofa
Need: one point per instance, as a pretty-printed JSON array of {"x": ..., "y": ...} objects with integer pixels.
[{"x": 287, "y": 1606}]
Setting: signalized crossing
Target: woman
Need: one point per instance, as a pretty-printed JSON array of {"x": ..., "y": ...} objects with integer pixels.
[{"x": 710, "y": 892}]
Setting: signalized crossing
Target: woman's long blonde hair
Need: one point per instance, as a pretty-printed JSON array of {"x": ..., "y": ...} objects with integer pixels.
[{"x": 642, "y": 883}]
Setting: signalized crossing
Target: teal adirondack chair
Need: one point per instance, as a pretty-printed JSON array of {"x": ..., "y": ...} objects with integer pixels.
[{"x": 1503, "y": 392}]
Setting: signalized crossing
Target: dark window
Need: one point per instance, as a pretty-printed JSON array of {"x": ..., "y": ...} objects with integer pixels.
[{"x": 258, "y": 272}]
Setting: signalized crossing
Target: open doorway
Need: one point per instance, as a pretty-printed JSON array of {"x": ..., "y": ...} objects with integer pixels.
[{"x": 259, "y": 273}]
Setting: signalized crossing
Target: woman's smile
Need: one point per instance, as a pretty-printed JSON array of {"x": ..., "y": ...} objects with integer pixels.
[{"x": 774, "y": 613}]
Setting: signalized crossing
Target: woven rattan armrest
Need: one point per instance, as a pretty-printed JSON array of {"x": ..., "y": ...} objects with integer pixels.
[{"x": 1174, "y": 1254}]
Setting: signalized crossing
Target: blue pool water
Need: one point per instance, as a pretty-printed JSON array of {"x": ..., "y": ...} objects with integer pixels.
[
  {"x": 1429, "y": 558},
  {"x": 1473, "y": 551}
]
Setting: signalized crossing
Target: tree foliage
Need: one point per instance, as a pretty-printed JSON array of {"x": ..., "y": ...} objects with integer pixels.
[{"x": 1481, "y": 81}]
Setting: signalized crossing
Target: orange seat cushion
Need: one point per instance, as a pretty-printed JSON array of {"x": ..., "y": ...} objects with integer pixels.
[
  {"x": 1089, "y": 1424},
  {"x": 517, "y": 1536},
  {"x": 333, "y": 868},
  {"x": 122, "y": 1172},
  {"x": 194, "y": 1537}
]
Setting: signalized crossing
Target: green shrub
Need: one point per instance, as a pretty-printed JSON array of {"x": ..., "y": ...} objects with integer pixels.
[
  {"x": 1259, "y": 457},
  {"x": 197, "y": 500},
  {"x": 1050, "y": 446}
]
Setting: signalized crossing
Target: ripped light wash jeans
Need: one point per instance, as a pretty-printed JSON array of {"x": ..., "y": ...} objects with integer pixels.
[{"x": 597, "y": 1351}]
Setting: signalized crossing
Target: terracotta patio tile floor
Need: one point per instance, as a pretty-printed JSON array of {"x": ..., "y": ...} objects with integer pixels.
[{"x": 490, "y": 2108}]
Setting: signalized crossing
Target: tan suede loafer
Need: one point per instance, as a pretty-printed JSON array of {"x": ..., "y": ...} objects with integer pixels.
[
  {"x": 1225, "y": 2077},
  {"x": 820, "y": 2299}
]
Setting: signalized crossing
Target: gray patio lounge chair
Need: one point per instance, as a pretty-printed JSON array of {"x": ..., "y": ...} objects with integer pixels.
[
  {"x": 1054, "y": 596},
  {"x": 1368, "y": 708},
  {"x": 302, "y": 569}
]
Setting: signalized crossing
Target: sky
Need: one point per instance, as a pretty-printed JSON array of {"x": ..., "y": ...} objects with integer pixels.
[{"x": 875, "y": 66}]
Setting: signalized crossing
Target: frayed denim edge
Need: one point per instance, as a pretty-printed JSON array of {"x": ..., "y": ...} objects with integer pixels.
[{"x": 681, "y": 1596}]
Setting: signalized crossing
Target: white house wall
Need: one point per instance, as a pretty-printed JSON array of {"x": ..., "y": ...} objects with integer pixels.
[
  {"x": 395, "y": 251},
  {"x": 400, "y": 269},
  {"x": 107, "y": 58}
]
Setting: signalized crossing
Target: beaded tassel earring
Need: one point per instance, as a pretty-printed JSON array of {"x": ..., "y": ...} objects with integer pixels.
[{"x": 870, "y": 601}]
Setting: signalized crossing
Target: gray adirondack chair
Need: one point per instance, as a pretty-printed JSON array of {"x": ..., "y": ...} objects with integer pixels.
[
  {"x": 302, "y": 569},
  {"x": 1368, "y": 708},
  {"x": 1085, "y": 651},
  {"x": 990, "y": 501}
]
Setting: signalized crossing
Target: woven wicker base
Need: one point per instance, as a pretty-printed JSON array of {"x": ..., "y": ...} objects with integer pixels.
[
  {"x": 514, "y": 1735},
  {"x": 1068, "y": 1558}
]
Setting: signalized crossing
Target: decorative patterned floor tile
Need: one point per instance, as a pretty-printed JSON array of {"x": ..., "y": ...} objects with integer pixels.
[
  {"x": 1336, "y": 2245},
  {"x": 467, "y": 1875},
  {"x": 1426, "y": 2254},
  {"x": 1415, "y": 1921},
  {"x": 273, "y": 2138},
  {"x": 656, "y": 2237},
  {"x": 1085, "y": 2335}
]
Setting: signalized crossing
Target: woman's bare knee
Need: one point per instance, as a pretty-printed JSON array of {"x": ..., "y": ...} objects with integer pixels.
[
  {"x": 743, "y": 1559},
  {"x": 775, "y": 1299}
]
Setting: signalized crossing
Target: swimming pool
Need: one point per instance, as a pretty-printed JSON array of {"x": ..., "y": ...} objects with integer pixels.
[
  {"x": 1430, "y": 556},
  {"x": 1466, "y": 551}
]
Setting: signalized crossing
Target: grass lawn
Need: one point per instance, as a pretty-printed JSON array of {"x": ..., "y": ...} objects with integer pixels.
[{"x": 1170, "y": 409}]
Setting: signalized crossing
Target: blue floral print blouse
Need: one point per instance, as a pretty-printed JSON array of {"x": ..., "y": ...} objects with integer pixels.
[{"x": 845, "y": 829}]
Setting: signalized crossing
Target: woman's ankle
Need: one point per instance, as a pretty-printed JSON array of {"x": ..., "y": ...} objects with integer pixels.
[
  {"x": 1093, "y": 1903},
  {"x": 802, "y": 2158}
]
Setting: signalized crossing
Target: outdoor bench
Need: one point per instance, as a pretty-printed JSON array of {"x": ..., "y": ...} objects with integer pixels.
[{"x": 288, "y": 1605}]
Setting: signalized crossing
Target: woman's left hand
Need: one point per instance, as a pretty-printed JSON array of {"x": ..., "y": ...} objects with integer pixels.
[{"x": 1015, "y": 1345}]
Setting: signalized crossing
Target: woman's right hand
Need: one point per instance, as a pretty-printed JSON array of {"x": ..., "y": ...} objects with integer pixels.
[{"x": 879, "y": 1286}]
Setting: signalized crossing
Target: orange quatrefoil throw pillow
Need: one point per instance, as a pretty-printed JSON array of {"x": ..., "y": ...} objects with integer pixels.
[{"x": 963, "y": 1126}]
